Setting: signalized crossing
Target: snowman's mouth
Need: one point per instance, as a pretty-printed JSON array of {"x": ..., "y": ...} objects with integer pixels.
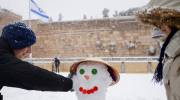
[{"x": 88, "y": 91}]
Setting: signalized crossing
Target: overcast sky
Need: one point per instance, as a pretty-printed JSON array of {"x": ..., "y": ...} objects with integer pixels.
[{"x": 72, "y": 9}]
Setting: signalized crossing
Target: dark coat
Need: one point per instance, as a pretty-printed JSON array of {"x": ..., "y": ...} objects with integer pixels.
[{"x": 17, "y": 73}]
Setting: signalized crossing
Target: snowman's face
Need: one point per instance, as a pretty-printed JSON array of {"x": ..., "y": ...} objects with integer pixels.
[
  {"x": 92, "y": 71},
  {"x": 91, "y": 80}
]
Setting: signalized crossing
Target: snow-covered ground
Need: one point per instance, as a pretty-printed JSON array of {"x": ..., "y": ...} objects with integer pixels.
[{"x": 130, "y": 87}]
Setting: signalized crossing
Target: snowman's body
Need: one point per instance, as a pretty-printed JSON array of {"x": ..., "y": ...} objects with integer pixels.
[{"x": 91, "y": 81}]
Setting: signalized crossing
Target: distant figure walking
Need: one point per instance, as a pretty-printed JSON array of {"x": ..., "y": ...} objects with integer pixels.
[{"x": 55, "y": 65}]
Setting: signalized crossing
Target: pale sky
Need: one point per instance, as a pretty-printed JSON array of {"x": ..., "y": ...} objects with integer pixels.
[{"x": 71, "y": 9}]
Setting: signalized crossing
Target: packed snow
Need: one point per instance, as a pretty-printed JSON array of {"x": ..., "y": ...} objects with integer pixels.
[{"x": 130, "y": 87}]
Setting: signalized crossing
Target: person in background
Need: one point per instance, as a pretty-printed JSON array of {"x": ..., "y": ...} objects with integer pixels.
[
  {"x": 15, "y": 44},
  {"x": 56, "y": 64},
  {"x": 165, "y": 14}
]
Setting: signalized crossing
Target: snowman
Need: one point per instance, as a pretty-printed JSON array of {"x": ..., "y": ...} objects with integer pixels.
[{"x": 91, "y": 78}]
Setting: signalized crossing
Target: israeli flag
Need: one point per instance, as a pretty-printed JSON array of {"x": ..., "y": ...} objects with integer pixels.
[{"x": 38, "y": 11}]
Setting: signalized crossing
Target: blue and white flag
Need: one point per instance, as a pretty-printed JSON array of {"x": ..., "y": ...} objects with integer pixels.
[{"x": 38, "y": 11}]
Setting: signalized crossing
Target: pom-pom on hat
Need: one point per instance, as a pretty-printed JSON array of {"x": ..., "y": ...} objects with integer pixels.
[{"x": 18, "y": 35}]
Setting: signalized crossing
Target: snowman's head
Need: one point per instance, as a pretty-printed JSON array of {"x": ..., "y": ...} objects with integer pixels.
[
  {"x": 93, "y": 72},
  {"x": 93, "y": 69},
  {"x": 91, "y": 79}
]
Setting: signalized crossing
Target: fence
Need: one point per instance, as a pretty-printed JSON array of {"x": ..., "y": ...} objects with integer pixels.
[
  {"x": 108, "y": 59},
  {"x": 123, "y": 64}
]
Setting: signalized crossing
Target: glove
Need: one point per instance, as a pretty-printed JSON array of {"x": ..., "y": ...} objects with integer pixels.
[{"x": 70, "y": 75}]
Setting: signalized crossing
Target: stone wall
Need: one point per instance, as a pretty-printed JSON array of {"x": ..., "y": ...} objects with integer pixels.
[
  {"x": 123, "y": 36},
  {"x": 98, "y": 37},
  {"x": 6, "y": 17}
]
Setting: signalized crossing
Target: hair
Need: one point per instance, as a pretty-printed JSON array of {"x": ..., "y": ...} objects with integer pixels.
[
  {"x": 111, "y": 73},
  {"x": 158, "y": 75}
]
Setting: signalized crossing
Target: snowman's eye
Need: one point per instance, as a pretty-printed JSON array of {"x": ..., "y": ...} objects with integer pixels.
[
  {"x": 81, "y": 71},
  {"x": 94, "y": 71}
]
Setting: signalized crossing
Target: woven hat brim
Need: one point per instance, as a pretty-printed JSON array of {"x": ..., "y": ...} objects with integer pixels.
[{"x": 159, "y": 16}]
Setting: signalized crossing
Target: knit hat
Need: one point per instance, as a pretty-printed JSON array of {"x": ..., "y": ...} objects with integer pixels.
[
  {"x": 18, "y": 35},
  {"x": 158, "y": 12}
]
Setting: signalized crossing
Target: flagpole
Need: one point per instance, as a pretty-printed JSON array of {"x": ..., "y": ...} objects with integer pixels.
[{"x": 29, "y": 23}]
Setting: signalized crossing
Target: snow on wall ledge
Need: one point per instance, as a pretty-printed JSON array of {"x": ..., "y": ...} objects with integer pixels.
[{"x": 130, "y": 87}]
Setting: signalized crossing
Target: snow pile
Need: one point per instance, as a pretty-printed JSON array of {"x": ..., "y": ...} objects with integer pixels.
[{"x": 130, "y": 87}]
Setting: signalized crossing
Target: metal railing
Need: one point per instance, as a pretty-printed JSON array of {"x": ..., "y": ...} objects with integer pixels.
[{"x": 108, "y": 59}]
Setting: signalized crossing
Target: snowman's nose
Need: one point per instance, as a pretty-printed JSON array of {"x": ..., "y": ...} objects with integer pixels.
[{"x": 87, "y": 77}]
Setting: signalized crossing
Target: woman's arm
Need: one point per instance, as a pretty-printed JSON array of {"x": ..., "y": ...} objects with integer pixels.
[{"x": 17, "y": 73}]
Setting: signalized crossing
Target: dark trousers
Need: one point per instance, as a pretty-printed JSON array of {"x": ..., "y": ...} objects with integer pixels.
[{"x": 57, "y": 67}]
